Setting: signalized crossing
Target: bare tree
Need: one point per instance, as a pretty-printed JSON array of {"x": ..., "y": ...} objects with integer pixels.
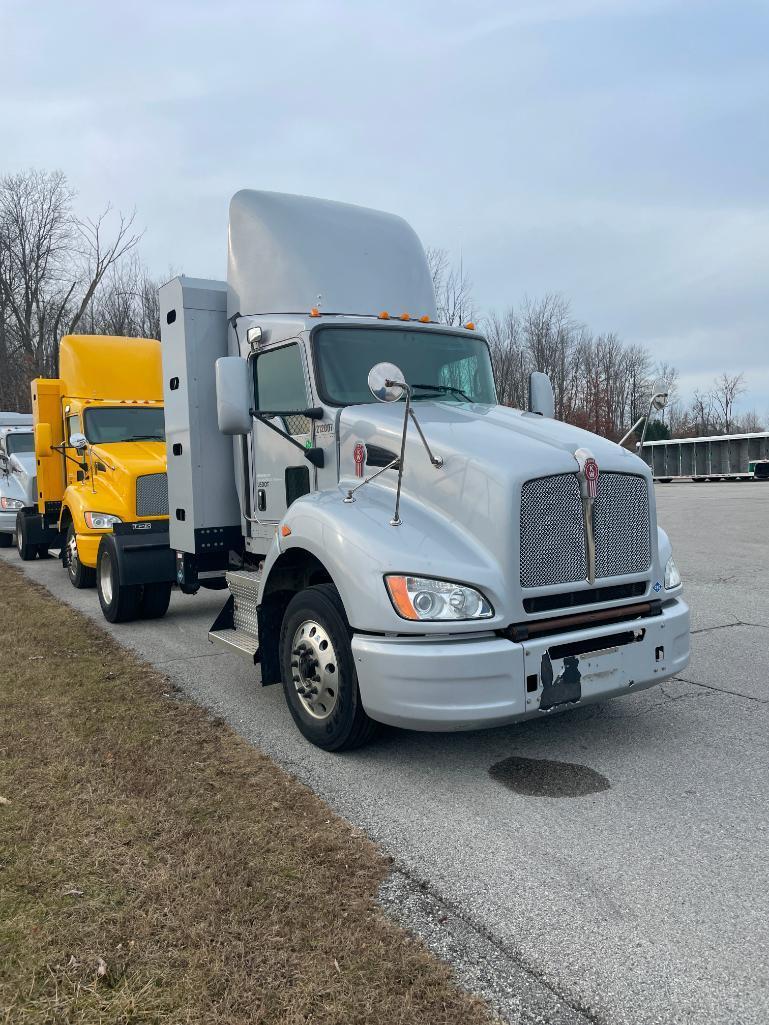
[
  {"x": 51, "y": 264},
  {"x": 453, "y": 289},
  {"x": 726, "y": 390},
  {"x": 508, "y": 357}
]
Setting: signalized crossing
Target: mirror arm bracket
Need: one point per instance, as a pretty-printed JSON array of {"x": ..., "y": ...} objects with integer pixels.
[{"x": 437, "y": 461}]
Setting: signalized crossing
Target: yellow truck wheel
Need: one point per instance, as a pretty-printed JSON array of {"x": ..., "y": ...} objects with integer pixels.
[
  {"x": 80, "y": 576},
  {"x": 119, "y": 602}
]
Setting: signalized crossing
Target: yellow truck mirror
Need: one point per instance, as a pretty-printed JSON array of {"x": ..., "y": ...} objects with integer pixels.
[{"x": 43, "y": 440}]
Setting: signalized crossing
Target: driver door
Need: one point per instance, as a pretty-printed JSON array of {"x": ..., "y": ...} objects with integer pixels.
[{"x": 281, "y": 473}]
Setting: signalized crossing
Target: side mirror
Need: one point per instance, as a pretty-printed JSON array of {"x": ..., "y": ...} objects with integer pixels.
[
  {"x": 78, "y": 441},
  {"x": 386, "y": 382},
  {"x": 541, "y": 398},
  {"x": 234, "y": 395},
  {"x": 43, "y": 440},
  {"x": 660, "y": 400}
]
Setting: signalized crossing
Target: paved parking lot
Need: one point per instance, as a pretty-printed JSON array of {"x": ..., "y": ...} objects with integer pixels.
[{"x": 637, "y": 890}]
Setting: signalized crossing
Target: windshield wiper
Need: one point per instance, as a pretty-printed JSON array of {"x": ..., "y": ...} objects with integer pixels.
[
  {"x": 144, "y": 437},
  {"x": 444, "y": 387}
]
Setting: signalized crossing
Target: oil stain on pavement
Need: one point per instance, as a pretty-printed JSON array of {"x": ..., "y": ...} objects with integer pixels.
[{"x": 541, "y": 777}]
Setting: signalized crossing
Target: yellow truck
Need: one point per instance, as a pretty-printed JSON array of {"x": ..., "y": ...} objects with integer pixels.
[{"x": 101, "y": 461}]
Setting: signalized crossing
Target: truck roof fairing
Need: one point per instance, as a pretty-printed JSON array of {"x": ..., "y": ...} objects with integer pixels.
[
  {"x": 106, "y": 367},
  {"x": 288, "y": 254}
]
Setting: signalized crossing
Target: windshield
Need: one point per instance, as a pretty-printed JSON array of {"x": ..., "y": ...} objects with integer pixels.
[
  {"x": 16, "y": 443},
  {"x": 124, "y": 423},
  {"x": 456, "y": 368}
]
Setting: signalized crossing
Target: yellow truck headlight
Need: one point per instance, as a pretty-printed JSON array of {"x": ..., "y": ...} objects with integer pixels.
[
  {"x": 101, "y": 521},
  {"x": 423, "y": 598}
]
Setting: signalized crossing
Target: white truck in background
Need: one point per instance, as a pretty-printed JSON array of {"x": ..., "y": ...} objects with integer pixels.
[
  {"x": 397, "y": 547},
  {"x": 17, "y": 471}
]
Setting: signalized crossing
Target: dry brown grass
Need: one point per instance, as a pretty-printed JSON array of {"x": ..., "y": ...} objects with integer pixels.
[{"x": 154, "y": 868}]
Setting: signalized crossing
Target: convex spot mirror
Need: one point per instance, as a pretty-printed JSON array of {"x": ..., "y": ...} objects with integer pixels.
[
  {"x": 386, "y": 382},
  {"x": 660, "y": 400},
  {"x": 541, "y": 398},
  {"x": 234, "y": 395},
  {"x": 78, "y": 441}
]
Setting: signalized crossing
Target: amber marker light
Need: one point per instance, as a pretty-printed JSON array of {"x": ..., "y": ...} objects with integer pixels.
[
  {"x": 285, "y": 531},
  {"x": 424, "y": 320},
  {"x": 384, "y": 315},
  {"x": 315, "y": 312},
  {"x": 405, "y": 316},
  {"x": 400, "y": 597},
  {"x": 470, "y": 325}
]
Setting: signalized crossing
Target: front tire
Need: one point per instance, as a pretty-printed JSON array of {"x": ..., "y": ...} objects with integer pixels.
[
  {"x": 26, "y": 550},
  {"x": 119, "y": 602},
  {"x": 80, "y": 576},
  {"x": 318, "y": 671}
]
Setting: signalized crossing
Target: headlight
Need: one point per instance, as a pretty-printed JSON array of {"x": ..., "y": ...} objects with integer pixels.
[
  {"x": 10, "y": 504},
  {"x": 101, "y": 521},
  {"x": 672, "y": 576},
  {"x": 423, "y": 598}
]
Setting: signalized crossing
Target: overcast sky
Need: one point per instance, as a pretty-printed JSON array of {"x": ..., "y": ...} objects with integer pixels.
[{"x": 617, "y": 152}]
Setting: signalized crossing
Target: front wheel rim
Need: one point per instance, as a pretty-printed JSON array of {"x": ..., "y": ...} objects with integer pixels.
[
  {"x": 315, "y": 669},
  {"x": 72, "y": 556},
  {"x": 105, "y": 578}
]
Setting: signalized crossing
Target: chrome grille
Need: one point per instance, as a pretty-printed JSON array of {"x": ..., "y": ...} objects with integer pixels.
[
  {"x": 552, "y": 531},
  {"x": 553, "y": 535},
  {"x": 621, "y": 519},
  {"x": 152, "y": 495}
]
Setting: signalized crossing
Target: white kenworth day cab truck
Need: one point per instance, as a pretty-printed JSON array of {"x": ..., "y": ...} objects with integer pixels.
[{"x": 398, "y": 547}]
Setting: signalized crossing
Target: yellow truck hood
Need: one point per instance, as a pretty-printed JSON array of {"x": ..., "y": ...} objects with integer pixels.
[
  {"x": 114, "y": 489},
  {"x": 134, "y": 458}
]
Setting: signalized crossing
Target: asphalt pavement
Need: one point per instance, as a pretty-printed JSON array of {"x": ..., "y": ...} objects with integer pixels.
[{"x": 609, "y": 864}]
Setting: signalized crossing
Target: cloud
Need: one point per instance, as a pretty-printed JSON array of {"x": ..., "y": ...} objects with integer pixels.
[{"x": 617, "y": 152}]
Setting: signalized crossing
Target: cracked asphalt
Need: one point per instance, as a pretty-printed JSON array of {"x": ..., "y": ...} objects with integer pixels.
[{"x": 630, "y": 885}]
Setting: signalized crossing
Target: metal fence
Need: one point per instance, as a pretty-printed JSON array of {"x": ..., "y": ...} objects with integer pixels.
[{"x": 734, "y": 456}]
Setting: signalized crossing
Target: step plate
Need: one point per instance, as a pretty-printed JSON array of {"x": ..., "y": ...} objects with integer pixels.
[
  {"x": 244, "y": 588},
  {"x": 236, "y": 640}
]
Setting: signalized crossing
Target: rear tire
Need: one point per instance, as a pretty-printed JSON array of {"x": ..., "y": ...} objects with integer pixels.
[
  {"x": 26, "y": 550},
  {"x": 80, "y": 576},
  {"x": 119, "y": 602},
  {"x": 6, "y": 540},
  {"x": 154, "y": 600},
  {"x": 318, "y": 670}
]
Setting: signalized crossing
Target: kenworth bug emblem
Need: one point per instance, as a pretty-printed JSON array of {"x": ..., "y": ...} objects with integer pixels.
[
  {"x": 591, "y": 473},
  {"x": 359, "y": 455}
]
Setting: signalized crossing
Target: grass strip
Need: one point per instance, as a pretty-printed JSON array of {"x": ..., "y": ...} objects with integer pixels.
[{"x": 155, "y": 868}]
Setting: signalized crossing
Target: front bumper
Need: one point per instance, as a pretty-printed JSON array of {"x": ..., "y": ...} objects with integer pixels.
[
  {"x": 437, "y": 683},
  {"x": 8, "y": 522}
]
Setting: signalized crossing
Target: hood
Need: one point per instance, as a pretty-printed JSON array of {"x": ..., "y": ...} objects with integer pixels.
[
  {"x": 133, "y": 458},
  {"x": 125, "y": 461},
  {"x": 21, "y": 483},
  {"x": 488, "y": 453},
  {"x": 24, "y": 464},
  {"x": 496, "y": 443}
]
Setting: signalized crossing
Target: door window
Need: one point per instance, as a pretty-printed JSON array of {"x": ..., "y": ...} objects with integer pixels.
[
  {"x": 281, "y": 385},
  {"x": 73, "y": 426}
]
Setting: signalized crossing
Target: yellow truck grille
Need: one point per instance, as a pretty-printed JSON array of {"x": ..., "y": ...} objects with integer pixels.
[{"x": 152, "y": 495}]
